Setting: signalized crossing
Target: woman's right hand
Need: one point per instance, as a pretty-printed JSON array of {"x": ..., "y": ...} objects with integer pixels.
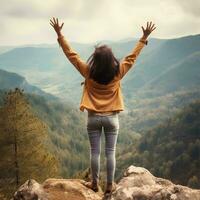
[
  {"x": 56, "y": 26},
  {"x": 149, "y": 28}
]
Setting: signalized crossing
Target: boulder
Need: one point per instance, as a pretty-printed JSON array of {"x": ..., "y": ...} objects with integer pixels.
[
  {"x": 137, "y": 184},
  {"x": 56, "y": 189}
]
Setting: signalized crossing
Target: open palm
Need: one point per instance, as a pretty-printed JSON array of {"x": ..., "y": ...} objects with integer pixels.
[
  {"x": 54, "y": 22},
  {"x": 149, "y": 28}
]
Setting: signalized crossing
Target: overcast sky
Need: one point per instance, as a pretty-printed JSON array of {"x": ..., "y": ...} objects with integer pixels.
[{"x": 27, "y": 21}]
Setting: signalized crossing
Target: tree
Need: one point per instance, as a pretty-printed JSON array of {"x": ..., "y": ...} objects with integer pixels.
[
  {"x": 193, "y": 182},
  {"x": 23, "y": 144}
]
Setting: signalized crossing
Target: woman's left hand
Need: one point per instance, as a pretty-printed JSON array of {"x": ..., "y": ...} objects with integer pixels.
[
  {"x": 56, "y": 26},
  {"x": 147, "y": 31}
]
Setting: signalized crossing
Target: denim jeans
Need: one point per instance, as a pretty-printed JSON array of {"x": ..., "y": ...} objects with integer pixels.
[{"x": 110, "y": 126}]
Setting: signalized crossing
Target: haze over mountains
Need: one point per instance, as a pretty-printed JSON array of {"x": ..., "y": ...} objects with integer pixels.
[
  {"x": 165, "y": 77},
  {"x": 164, "y": 66},
  {"x": 10, "y": 80}
]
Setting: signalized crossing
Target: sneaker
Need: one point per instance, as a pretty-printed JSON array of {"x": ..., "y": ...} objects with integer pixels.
[
  {"x": 110, "y": 188},
  {"x": 92, "y": 186}
]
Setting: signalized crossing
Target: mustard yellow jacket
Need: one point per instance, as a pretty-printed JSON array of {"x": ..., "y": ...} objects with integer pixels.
[{"x": 97, "y": 97}]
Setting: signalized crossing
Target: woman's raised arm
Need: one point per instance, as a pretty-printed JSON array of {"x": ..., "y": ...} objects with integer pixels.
[
  {"x": 72, "y": 55},
  {"x": 130, "y": 59}
]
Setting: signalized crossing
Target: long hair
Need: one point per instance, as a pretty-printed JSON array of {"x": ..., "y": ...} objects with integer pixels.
[{"x": 103, "y": 65}]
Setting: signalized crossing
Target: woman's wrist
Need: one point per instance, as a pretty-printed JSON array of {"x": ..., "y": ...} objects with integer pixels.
[
  {"x": 59, "y": 34},
  {"x": 144, "y": 37}
]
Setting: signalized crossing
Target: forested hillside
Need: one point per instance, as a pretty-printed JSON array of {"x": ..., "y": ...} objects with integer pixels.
[
  {"x": 67, "y": 131},
  {"x": 148, "y": 112},
  {"x": 24, "y": 145},
  {"x": 171, "y": 149}
]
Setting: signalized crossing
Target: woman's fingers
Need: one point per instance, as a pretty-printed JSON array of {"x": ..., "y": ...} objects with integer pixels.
[
  {"x": 150, "y": 24},
  {"x": 149, "y": 28},
  {"x": 54, "y": 20},
  {"x": 142, "y": 28},
  {"x": 62, "y": 25},
  {"x": 55, "y": 24},
  {"x": 51, "y": 21},
  {"x": 153, "y": 29},
  {"x": 51, "y": 24}
]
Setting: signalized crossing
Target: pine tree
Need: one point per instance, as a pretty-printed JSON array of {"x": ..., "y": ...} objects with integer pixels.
[{"x": 24, "y": 144}]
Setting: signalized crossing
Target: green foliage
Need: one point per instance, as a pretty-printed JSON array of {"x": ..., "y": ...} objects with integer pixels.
[
  {"x": 171, "y": 149},
  {"x": 67, "y": 131},
  {"x": 194, "y": 182},
  {"x": 24, "y": 145},
  {"x": 147, "y": 112}
]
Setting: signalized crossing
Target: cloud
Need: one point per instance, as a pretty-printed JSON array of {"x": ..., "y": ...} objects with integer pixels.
[
  {"x": 27, "y": 9},
  {"x": 25, "y": 21},
  {"x": 76, "y": 9},
  {"x": 191, "y": 7}
]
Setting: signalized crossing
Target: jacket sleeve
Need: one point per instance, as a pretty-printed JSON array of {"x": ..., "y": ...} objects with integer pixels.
[
  {"x": 130, "y": 59},
  {"x": 73, "y": 57}
]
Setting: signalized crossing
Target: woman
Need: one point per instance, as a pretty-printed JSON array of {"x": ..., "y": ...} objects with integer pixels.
[{"x": 102, "y": 98}]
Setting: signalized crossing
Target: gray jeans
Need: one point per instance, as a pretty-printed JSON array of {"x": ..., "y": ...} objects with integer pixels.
[{"x": 110, "y": 125}]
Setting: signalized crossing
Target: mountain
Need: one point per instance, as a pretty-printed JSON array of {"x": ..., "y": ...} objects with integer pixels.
[
  {"x": 49, "y": 69},
  {"x": 171, "y": 66},
  {"x": 4, "y": 49},
  {"x": 182, "y": 75},
  {"x": 166, "y": 71},
  {"x": 10, "y": 80},
  {"x": 45, "y": 67}
]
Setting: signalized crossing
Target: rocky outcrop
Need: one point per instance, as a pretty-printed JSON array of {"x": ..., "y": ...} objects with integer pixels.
[
  {"x": 137, "y": 184},
  {"x": 56, "y": 189}
]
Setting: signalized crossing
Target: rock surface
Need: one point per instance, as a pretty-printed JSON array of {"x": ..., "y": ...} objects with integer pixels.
[
  {"x": 56, "y": 189},
  {"x": 137, "y": 184}
]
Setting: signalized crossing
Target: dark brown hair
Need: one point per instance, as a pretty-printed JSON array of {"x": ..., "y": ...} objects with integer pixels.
[{"x": 103, "y": 65}]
